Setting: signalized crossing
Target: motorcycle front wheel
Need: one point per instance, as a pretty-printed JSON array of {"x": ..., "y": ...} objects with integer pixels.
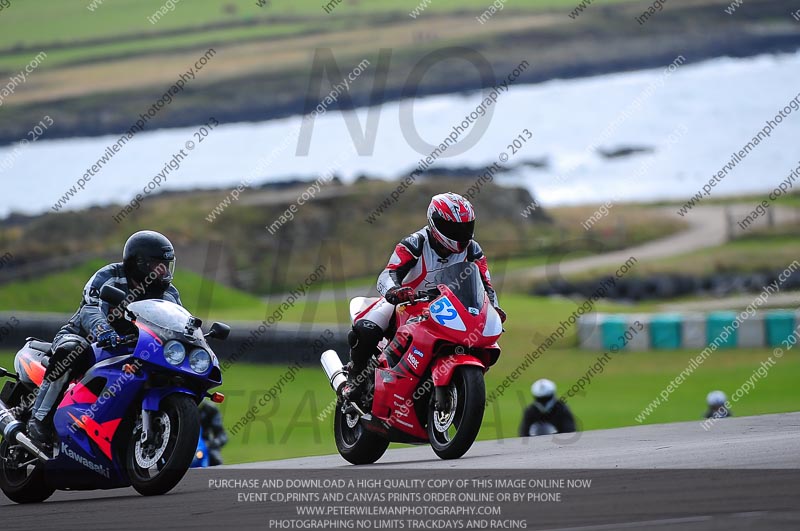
[
  {"x": 453, "y": 430},
  {"x": 155, "y": 467}
]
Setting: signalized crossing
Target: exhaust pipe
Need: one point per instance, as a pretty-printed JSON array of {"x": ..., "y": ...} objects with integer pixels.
[
  {"x": 11, "y": 429},
  {"x": 334, "y": 369}
]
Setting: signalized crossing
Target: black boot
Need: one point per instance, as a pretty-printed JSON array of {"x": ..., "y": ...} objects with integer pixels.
[
  {"x": 50, "y": 394},
  {"x": 363, "y": 339},
  {"x": 41, "y": 432},
  {"x": 356, "y": 384}
]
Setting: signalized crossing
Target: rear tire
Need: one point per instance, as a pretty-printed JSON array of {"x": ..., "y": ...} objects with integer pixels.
[
  {"x": 177, "y": 425},
  {"x": 354, "y": 442},
  {"x": 23, "y": 486},
  {"x": 452, "y": 432}
]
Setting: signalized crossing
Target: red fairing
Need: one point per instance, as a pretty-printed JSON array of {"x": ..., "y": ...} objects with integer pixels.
[
  {"x": 101, "y": 434},
  {"x": 443, "y": 368},
  {"x": 425, "y": 341}
]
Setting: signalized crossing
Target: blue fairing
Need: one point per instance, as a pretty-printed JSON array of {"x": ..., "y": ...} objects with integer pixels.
[{"x": 96, "y": 416}]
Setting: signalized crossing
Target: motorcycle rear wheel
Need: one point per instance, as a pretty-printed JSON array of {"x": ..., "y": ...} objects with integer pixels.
[
  {"x": 23, "y": 485},
  {"x": 354, "y": 442},
  {"x": 452, "y": 432},
  {"x": 157, "y": 470}
]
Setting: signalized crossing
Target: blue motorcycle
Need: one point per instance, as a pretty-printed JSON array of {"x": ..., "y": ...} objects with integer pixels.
[{"x": 131, "y": 420}]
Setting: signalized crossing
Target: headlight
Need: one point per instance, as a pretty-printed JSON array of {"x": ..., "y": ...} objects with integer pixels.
[
  {"x": 200, "y": 361},
  {"x": 174, "y": 352}
]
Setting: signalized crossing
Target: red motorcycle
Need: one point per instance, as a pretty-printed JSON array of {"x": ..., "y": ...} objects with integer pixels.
[{"x": 428, "y": 384}]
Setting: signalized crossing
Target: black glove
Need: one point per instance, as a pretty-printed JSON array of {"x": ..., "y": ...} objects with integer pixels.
[
  {"x": 108, "y": 337},
  {"x": 400, "y": 294},
  {"x": 501, "y": 313}
]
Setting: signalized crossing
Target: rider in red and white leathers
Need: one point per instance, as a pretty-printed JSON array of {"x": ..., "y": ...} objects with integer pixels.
[{"x": 416, "y": 259}]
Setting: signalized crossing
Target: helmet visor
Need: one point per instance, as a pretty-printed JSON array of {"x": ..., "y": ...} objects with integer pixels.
[
  {"x": 458, "y": 232},
  {"x": 159, "y": 270},
  {"x": 545, "y": 403}
]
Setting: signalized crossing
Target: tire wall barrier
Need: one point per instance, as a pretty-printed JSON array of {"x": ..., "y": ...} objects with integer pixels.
[
  {"x": 249, "y": 342},
  {"x": 673, "y": 331}
]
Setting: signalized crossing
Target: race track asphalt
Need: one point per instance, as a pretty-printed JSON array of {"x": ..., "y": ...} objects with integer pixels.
[{"x": 743, "y": 473}]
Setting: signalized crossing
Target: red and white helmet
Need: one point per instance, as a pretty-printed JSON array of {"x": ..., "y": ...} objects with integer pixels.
[{"x": 451, "y": 220}]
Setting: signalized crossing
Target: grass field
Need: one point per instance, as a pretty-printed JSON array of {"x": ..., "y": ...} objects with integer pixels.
[
  {"x": 770, "y": 249},
  {"x": 26, "y": 23},
  {"x": 289, "y": 427},
  {"x": 61, "y": 292},
  {"x": 70, "y": 32}
]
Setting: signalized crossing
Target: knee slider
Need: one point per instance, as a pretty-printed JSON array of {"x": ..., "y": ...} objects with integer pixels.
[{"x": 352, "y": 337}]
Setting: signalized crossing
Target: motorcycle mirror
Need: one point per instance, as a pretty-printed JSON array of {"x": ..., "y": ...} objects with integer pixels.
[
  {"x": 219, "y": 331},
  {"x": 4, "y": 373},
  {"x": 112, "y": 295}
]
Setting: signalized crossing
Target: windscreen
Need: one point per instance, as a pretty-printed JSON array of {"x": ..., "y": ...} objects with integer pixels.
[
  {"x": 166, "y": 319},
  {"x": 464, "y": 279}
]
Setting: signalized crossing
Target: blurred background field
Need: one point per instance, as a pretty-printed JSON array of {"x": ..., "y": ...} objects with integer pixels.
[
  {"x": 290, "y": 426},
  {"x": 123, "y": 29},
  {"x": 596, "y": 93},
  {"x": 629, "y": 383}
]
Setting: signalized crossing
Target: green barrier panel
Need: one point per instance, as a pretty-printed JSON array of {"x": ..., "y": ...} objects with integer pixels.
[
  {"x": 666, "y": 332},
  {"x": 612, "y": 328},
  {"x": 716, "y": 323},
  {"x": 779, "y": 325}
]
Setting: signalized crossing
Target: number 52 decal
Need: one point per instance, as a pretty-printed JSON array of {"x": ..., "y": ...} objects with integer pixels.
[{"x": 445, "y": 314}]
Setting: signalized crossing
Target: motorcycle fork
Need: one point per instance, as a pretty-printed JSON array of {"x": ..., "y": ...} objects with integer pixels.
[
  {"x": 146, "y": 427},
  {"x": 442, "y": 399}
]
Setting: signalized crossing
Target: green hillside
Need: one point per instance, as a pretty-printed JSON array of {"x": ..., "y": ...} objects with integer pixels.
[{"x": 61, "y": 292}]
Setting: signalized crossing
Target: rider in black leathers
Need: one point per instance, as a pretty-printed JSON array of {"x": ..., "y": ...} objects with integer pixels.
[
  {"x": 148, "y": 262},
  {"x": 546, "y": 409}
]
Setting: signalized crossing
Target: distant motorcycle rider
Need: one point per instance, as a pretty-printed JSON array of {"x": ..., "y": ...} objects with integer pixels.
[
  {"x": 213, "y": 432},
  {"x": 717, "y": 408},
  {"x": 146, "y": 272},
  {"x": 545, "y": 412},
  {"x": 446, "y": 240}
]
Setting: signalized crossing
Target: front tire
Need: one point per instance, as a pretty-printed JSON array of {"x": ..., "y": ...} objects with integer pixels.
[
  {"x": 156, "y": 468},
  {"x": 26, "y": 485},
  {"x": 453, "y": 431},
  {"x": 354, "y": 442}
]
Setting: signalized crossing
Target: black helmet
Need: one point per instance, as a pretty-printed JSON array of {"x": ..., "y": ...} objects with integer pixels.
[{"x": 149, "y": 259}]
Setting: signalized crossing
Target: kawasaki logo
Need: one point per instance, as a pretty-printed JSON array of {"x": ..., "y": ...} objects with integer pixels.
[{"x": 103, "y": 471}]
